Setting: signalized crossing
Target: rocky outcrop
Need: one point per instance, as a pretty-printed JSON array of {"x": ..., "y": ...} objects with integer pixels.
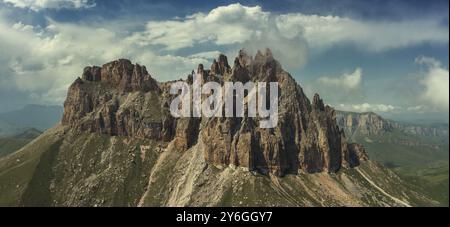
[
  {"x": 121, "y": 98},
  {"x": 365, "y": 123},
  {"x": 117, "y": 99},
  {"x": 220, "y": 67},
  {"x": 372, "y": 124},
  {"x": 355, "y": 154}
]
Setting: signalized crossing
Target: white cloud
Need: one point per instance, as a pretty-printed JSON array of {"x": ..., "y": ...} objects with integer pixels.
[
  {"x": 237, "y": 24},
  {"x": 290, "y": 36},
  {"x": 325, "y": 31},
  {"x": 416, "y": 108},
  {"x": 420, "y": 109},
  {"x": 429, "y": 61},
  {"x": 43, "y": 62},
  {"x": 234, "y": 25},
  {"x": 206, "y": 55},
  {"x": 224, "y": 25},
  {"x": 346, "y": 81},
  {"x": 37, "y": 5},
  {"x": 344, "y": 88},
  {"x": 436, "y": 83},
  {"x": 366, "y": 107}
]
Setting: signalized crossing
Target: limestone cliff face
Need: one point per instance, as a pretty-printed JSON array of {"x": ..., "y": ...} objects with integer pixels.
[
  {"x": 373, "y": 124},
  {"x": 121, "y": 98}
]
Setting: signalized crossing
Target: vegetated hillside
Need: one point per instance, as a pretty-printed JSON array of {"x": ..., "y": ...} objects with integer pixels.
[
  {"x": 419, "y": 153},
  {"x": 13, "y": 143},
  {"x": 60, "y": 168}
]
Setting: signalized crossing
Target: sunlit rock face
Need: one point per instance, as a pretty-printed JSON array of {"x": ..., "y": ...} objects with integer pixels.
[{"x": 121, "y": 98}]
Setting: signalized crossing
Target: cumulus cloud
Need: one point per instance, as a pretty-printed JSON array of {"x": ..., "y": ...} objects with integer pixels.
[
  {"x": 322, "y": 32},
  {"x": 37, "y": 5},
  {"x": 417, "y": 109},
  {"x": 366, "y": 107},
  {"x": 346, "y": 81},
  {"x": 435, "y": 82},
  {"x": 206, "y": 55},
  {"x": 223, "y": 25},
  {"x": 290, "y": 36},
  {"x": 236, "y": 24},
  {"x": 344, "y": 88},
  {"x": 44, "y": 61},
  {"x": 42, "y": 57}
]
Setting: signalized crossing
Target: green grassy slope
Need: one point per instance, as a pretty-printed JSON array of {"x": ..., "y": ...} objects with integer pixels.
[
  {"x": 13, "y": 143},
  {"x": 422, "y": 161},
  {"x": 78, "y": 170},
  {"x": 17, "y": 170}
]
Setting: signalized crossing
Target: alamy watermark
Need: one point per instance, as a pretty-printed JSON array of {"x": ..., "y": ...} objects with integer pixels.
[{"x": 230, "y": 96}]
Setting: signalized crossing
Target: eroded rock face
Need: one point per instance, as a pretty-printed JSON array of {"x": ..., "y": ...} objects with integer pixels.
[
  {"x": 355, "y": 154},
  {"x": 365, "y": 123},
  {"x": 118, "y": 99},
  {"x": 220, "y": 67},
  {"x": 123, "y": 99},
  {"x": 372, "y": 124}
]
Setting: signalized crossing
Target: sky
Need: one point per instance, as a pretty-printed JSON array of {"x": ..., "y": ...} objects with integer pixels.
[{"x": 389, "y": 57}]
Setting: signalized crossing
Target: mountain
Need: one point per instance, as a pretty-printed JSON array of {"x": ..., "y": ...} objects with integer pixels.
[
  {"x": 118, "y": 145},
  {"x": 40, "y": 117},
  {"x": 13, "y": 143},
  {"x": 370, "y": 123},
  {"x": 418, "y": 153},
  {"x": 7, "y": 129}
]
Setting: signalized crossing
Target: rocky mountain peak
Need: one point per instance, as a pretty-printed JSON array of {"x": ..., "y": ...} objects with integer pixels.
[
  {"x": 200, "y": 69},
  {"x": 318, "y": 103},
  {"x": 220, "y": 67},
  {"x": 243, "y": 59},
  {"x": 122, "y": 99},
  {"x": 121, "y": 74},
  {"x": 263, "y": 56},
  {"x": 92, "y": 73}
]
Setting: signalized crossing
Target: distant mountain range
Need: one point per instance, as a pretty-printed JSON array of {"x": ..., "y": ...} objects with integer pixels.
[
  {"x": 19, "y": 127},
  {"x": 417, "y": 152},
  {"x": 40, "y": 117},
  {"x": 13, "y": 143},
  {"x": 369, "y": 123}
]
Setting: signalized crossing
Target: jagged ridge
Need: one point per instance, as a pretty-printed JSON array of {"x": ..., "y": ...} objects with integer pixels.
[
  {"x": 122, "y": 99},
  {"x": 370, "y": 123}
]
